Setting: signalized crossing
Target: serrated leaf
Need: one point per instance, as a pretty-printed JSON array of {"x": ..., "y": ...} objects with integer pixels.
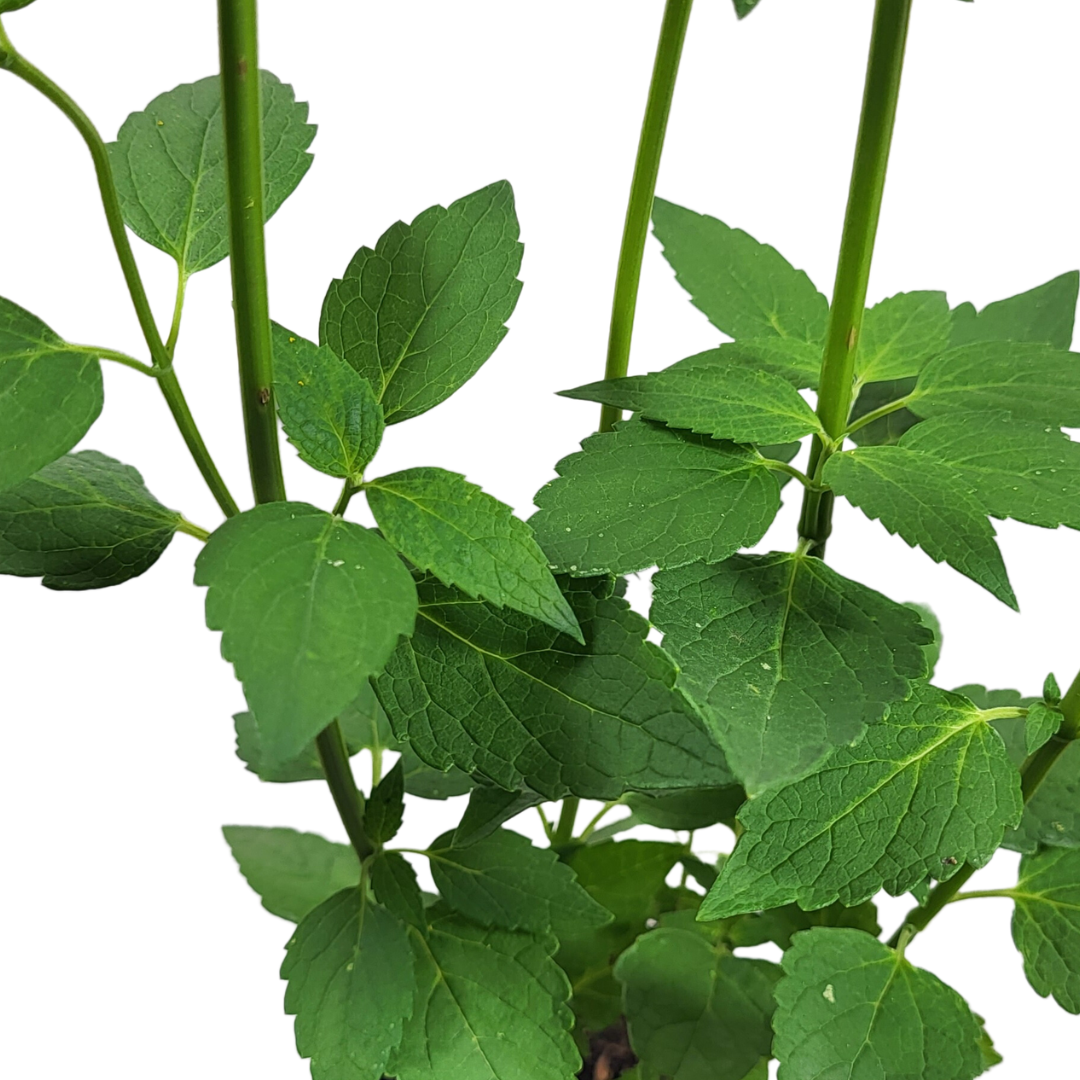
[
  {"x": 1051, "y": 690},
  {"x": 83, "y": 522},
  {"x": 395, "y": 886},
  {"x": 745, "y": 288},
  {"x": 887, "y": 430},
  {"x": 293, "y": 872},
  {"x": 310, "y": 606},
  {"x": 385, "y": 808},
  {"x": 1040, "y": 725},
  {"x": 929, "y": 787},
  {"x": 850, "y": 1006},
  {"x": 488, "y": 809},
  {"x": 901, "y": 334},
  {"x": 465, "y": 537},
  {"x": 169, "y": 164},
  {"x": 779, "y": 925},
  {"x": 1045, "y": 313},
  {"x": 926, "y": 502},
  {"x": 932, "y": 649},
  {"x": 418, "y": 315},
  {"x": 50, "y": 394},
  {"x": 351, "y": 987},
  {"x": 785, "y": 657},
  {"x": 497, "y": 693},
  {"x": 644, "y": 495}
]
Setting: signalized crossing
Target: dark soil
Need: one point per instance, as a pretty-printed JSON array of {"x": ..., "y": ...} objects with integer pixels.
[{"x": 609, "y": 1054}]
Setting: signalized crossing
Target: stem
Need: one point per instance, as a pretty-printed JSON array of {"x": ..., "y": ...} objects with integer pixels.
[
  {"x": 189, "y": 527},
  {"x": 347, "y": 798},
  {"x": 347, "y": 492},
  {"x": 880, "y": 95},
  {"x": 877, "y": 414},
  {"x": 564, "y": 831},
  {"x": 115, "y": 357},
  {"x": 178, "y": 310},
  {"x": 642, "y": 190},
  {"x": 376, "y": 765},
  {"x": 600, "y": 815},
  {"x": 547, "y": 825},
  {"x": 977, "y": 894},
  {"x": 784, "y": 467}
]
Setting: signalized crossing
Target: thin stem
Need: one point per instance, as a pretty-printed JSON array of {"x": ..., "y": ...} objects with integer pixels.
[
  {"x": 376, "y": 765},
  {"x": 116, "y": 358},
  {"x": 977, "y": 894},
  {"x": 882, "y": 89},
  {"x": 547, "y": 825},
  {"x": 1007, "y": 712},
  {"x": 189, "y": 527},
  {"x": 598, "y": 817},
  {"x": 564, "y": 831},
  {"x": 347, "y": 798},
  {"x": 642, "y": 191},
  {"x": 790, "y": 470},
  {"x": 347, "y": 492},
  {"x": 178, "y": 311},
  {"x": 877, "y": 414}
]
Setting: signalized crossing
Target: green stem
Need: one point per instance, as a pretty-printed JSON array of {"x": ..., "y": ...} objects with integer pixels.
[
  {"x": 347, "y": 798},
  {"x": 880, "y": 95},
  {"x": 877, "y": 414},
  {"x": 642, "y": 190},
  {"x": 547, "y": 825},
  {"x": 790, "y": 470},
  {"x": 189, "y": 527},
  {"x": 564, "y": 831},
  {"x": 347, "y": 492},
  {"x": 600, "y": 815},
  {"x": 116, "y": 358},
  {"x": 178, "y": 311},
  {"x": 977, "y": 894}
]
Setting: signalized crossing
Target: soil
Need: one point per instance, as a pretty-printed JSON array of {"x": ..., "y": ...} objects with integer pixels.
[{"x": 609, "y": 1054}]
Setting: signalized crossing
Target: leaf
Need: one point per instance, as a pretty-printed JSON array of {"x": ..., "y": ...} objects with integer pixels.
[
  {"x": 350, "y": 976},
  {"x": 488, "y": 809},
  {"x": 418, "y": 315},
  {"x": 900, "y": 334},
  {"x": 927, "y": 503},
  {"x": 1046, "y": 923},
  {"x": 785, "y": 657},
  {"x": 745, "y": 288},
  {"x": 886, "y": 430},
  {"x": 13, "y": 5},
  {"x": 385, "y": 808},
  {"x": 50, "y": 394},
  {"x": 929, "y": 787},
  {"x": 394, "y": 883},
  {"x": 169, "y": 165},
  {"x": 697, "y": 808},
  {"x": 779, "y": 925},
  {"x": 293, "y": 872},
  {"x": 310, "y": 606},
  {"x": 1051, "y": 690},
  {"x": 850, "y": 1006},
  {"x": 1045, "y": 313},
  {"x": 499, "y": 694},
  {"x": 442, "y": 523},
  {"x": 933, "y": 624},
  {"x": 83, "y": 522},
  {"x": 742, "y": 9},
  {"x": 644, "y": 495},
  {"x": 328, "y": 410},
  {"x": 1040, "y": 725}
]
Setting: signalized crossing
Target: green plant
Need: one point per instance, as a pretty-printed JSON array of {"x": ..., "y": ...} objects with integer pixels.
[{"x": 490, "y": 676}]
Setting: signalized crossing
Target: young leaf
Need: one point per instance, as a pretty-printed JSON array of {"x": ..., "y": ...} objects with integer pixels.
[
  {"x": 644, "y": 495},
  {"x": 351, "y": 987},
  {"x": 850, "y": 1006},
  {"x": 928, "y": 788},
  {"x": 50, "y": 394},
  {"x": 394, "y": 883},
  {"x": 927, "y": 503},
  {"x": 785, "y": 657},
  {"x": 386, "y": 806},
  {"x": 1040, "y": 725},
  {"x": 293, "y": 872},
  {"x": 745, "y": 288},
  {"x": 1045, "y": 313},
  {"x": 1051, "y": 690},
  {"x": 901, "y": 334},
  {"x": 502, "y": 695},
  {"x": 420, "y": 314},
  {"x": 488, "y": 809},
  {"x": 310, "y": 606},
  {"x": 328, "y": 410},
  {"x": 83, "y": 522},
  {"x": 169, "y": 166},
  {"x": 465, "y": 537}
]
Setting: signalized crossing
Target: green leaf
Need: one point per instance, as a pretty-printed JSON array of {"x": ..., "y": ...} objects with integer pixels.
[
  {"x": 310, "y": 606},
  {"x": 419, "y": 315},
  {"x": 50, "y": 394},
  {"x": 499, "y": 694},
  {"x": 697, "y": 808},
  {"x": 1051, "y": 690},
  {"x": 442, "y": 523},
  {"x": 1046, "y": 923},
  {"x": 929, "y": 787},
  {"x": 1045, "y": 313},
  {"x": 385, "y": 808},
  {"x": 780, "y": 924},
  {"x": 169, "y": 166},
  {"x": 13, "y": 5},
  {"x": 926, "y": 502},
  {"x": 900, "y": 334},
  {"x": 1040, "y": 725},
  {"x": 785, "y": 657},
  {"x": 394, "y": 883},
  {"x": 293, "y": 872},
  {"x": 886, "y": 430},
  {"x": 644, "y": 495},
  {"x": 328, "y": 410},
  {"x": 695, "y": 1013},
  {"x": 745, "y": 288},
  {"x": 742, "y": 9},
  {"x": 351, "y": 987},
  {"x": 933, "y": 624},
  {"x": 489, "y": 808},
  {"x": 850, "y": 1006},
  {"x": 83, "y": 522}
]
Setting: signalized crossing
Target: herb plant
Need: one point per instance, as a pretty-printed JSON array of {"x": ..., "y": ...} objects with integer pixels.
[{"x": 500, "y": 658}]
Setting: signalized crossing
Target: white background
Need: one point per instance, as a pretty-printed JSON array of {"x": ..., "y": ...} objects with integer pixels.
[{"x": 132, "y": 947}]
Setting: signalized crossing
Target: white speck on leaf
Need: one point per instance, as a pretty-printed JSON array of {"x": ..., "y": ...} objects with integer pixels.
[{"x": 828, "y": 994}]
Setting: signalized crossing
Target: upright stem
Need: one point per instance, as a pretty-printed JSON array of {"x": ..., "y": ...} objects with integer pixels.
[
  {"x": 642, "y": 190},
  {"x": 880, "y": 95},
  {"x": 564, "y": 831},
  {"x": 334, "y": 756}
]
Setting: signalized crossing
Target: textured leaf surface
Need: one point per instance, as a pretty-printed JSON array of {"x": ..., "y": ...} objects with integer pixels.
[
  {"x": 83, "y": 522},
  {"x": 385, "y": 808},
  {"x": 687, "y": 810},
  {"x": 1045, "y": 313},
  {"x": 926, "y": 502},
  {"x": 169, "y": 165},
  {"x": 786, "y": 657},
  {"x": 928, "y": 788},
  {"x": 900, "y": 334},
  {"x": 1040, "y": 724},
  {"x": 394, "y": 882},
  {"x": 644, "y": 495},
  {"x": 850, "y": 1006},
  {"x": 418, "y": 315},
  {"x": 310, "y": 606}
]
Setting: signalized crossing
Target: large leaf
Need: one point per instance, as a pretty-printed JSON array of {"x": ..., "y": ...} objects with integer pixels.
[
  {"x": 786, "y": 657},
  {"x": 901, "y": 334},
  {"x": 644, "y": 495},
  {"x": 83, "y": 522},
  {"x": 465, "y": 537},
  {"x": 1045, "y": 313},
  {"x": 503, "y": 695},
  {"x": 418, "y": 315},
  {"x": 169, "y": 164},
  {"x": 310, "y": 606},
  {"x": 928, "y": 788},
  {"x": 50, "y": 394},
  {"x": 747, "y": 289},
  {"x": 927, "y": 503}
]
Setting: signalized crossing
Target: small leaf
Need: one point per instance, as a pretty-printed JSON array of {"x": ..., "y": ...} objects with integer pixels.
[
  {"x": 1051, "y": 690},
  {"x": 419, "y": 315},
  {"x": 488, "y": 809},
  {"x": 1040, "y": 726},
  {"x": 386, "y": 806},
  {"x": 779, "y": 925},
  {"x": 83, "y": 522},
  {"x": 1045, "y": 313},
  {"x": 742, "y": 9},
  {"x": 394, "y": 883},
  {"x": 697, "y": 808},
  {"x": 901, "y": 334}
]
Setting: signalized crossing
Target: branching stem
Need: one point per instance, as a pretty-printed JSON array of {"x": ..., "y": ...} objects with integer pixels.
[{"x": 877, "y": 414}]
